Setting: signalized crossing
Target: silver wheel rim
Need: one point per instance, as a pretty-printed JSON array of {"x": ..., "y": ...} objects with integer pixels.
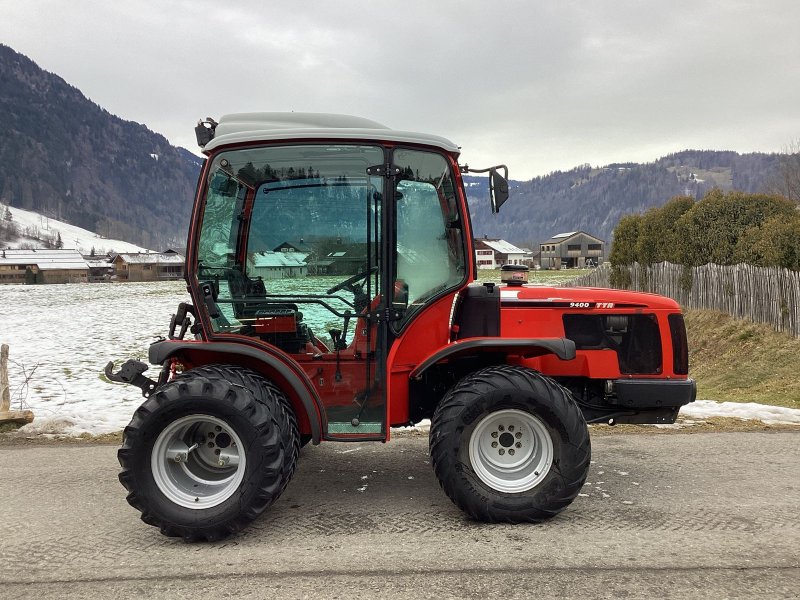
[
  {"x": 198, "y": 461},
  {"x": 511, "y": 451}
]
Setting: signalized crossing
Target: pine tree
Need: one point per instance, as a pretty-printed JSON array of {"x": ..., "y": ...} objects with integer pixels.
[
  {"x": 59, "y": 241},
  {"x": 7, "y": 215}
]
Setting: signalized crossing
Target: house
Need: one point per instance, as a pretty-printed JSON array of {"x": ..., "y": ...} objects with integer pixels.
[
  {"x": 148, "y": 266},
  {"x": 294, "y": 246},
  {"x": 100, "y": 267},
  {"x": 571, "y": 250},
  {"x": 334, "y": 257},
  {"x": 42, "y": 266},
  {"x": 277, "y": 265},
  {"x": 494, "y": 253},
  {"x": 532, "y": 258}
]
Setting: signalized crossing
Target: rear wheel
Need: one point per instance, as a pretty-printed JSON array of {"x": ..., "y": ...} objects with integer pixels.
[
  {"x": 509, "y": 444},
  {"x": 266, "y": 393},
  {"x": 203, "y": 456}
]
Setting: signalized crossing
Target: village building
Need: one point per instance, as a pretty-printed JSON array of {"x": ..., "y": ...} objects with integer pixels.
[
  {"x": 494, "y": 253},
  {"x": 100, "y": 267},
  {"x": 277, "y": 265},
  {"x": 294, "y": 246},
  {"x": 148, "y": 266},
  {"x": 43, "y": 266},
  {"x": 575, "y": 249}
]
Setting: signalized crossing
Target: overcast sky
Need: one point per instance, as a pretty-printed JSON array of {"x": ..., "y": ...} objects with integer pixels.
[{"x": 539, "y": 85}]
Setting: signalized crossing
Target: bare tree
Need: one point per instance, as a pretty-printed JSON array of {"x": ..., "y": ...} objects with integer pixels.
[{"x": 788, "y": 181}]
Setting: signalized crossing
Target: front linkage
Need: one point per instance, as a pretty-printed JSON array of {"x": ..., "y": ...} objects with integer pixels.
[{"x": 131, "y": 372}]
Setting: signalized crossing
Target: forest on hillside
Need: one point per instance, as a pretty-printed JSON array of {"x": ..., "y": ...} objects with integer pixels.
[{"x": 65, "y": 157}]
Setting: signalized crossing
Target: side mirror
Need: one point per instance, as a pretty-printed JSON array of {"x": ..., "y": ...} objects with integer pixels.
[
  {"x": 498, "y": 184},
  {"x": 498, "y": 189}
]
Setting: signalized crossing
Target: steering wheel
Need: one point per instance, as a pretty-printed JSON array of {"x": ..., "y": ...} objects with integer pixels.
[{"x": 348, "y": 284}]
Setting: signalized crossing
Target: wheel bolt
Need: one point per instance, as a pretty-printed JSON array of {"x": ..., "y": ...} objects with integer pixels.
[
  {"x": 511, "y": 452},
  {"x": 210, "y": 434},
  {"x": 217, "y": 451},
  {"x": 501, "y": 428},
  {"x": 494, "y": 444},
  {"x": 218, "y": 428},
  {"x": 502, "y": 451},
  {"x": 518, "y": 434},
  {"x": 494, "y": 434},
  {"x": 210, "y": 444},
  {"x": 511, "y": 428},
  {"x": 518, "y": 445}
]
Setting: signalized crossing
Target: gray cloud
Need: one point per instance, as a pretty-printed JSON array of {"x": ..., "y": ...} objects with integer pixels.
[{"x": 538, "y": 85}]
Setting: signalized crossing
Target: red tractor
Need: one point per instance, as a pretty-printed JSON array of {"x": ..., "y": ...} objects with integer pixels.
[{"x": 331, "y": 268}]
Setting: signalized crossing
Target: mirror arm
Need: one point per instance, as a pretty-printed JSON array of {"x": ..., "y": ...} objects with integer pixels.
[{"x": 467, "y": 169}]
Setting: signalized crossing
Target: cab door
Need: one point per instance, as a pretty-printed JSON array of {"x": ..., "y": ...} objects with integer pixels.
[{"x": 292, "y": 243}]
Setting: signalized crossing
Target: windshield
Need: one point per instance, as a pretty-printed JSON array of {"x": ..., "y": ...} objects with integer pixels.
[{"x": 283, "y": 225}]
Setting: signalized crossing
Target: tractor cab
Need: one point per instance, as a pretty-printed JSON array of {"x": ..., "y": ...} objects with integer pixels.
[{"x": 323, "y": 251}]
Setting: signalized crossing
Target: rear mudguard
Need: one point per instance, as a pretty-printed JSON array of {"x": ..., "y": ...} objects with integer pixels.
[{"x": 527, "y": 348}]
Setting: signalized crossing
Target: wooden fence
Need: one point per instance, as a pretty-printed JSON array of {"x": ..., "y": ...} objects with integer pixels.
[{"x": 761, "y": 294}]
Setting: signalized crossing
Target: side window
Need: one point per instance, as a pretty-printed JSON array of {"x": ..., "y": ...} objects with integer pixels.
[
  {"x": 218, "y": 233},
  {"x": 430, "y": 247}
]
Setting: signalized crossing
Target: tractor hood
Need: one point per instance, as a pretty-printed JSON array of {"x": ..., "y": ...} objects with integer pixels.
[{"x": 581, "y": 297}]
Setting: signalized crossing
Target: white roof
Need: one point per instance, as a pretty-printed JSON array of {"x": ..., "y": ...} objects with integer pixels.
[
  {"x": 503, "y": 247},
  {"x": 152, "y": 258},
  {"x": 45, "y": 260},
  {"x": 279, "y": 259},
  {"x": 98, "y": 262},
  {"x": 563, "y": 235},
  {"x": 273, "y": 126}
]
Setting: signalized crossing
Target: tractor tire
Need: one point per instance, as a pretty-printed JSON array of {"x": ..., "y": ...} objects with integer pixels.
[
  {"x": 509, "y": 445},
  {"x": 266, "y": 393},
  {"x": 204, "y": 456}
]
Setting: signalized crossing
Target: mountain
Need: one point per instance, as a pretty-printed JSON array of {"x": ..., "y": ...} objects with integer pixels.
[
  {"x": 594, "y": 199},
  {"x": 65, "y": 157}
]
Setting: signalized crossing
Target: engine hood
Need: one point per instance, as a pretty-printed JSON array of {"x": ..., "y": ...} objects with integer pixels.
[{"x": 559, "y": 297}]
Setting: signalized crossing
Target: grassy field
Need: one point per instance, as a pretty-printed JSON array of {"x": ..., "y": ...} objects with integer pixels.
[
  {"x": 545, "y": 277},
  {"x": 740, "y": 361}
]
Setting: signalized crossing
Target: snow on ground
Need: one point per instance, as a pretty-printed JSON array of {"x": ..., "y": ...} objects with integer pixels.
[
  {"x": 61, "y": 336},
  {"x": 703, "y": 409},
  {"x": 74, "y": 238}
]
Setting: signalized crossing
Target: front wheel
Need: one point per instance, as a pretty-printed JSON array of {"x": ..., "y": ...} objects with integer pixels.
[
  {"x": 204, "y": 456},
  {"x": 509, "y": 444}
]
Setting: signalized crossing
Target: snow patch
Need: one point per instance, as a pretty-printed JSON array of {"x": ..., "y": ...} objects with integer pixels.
[
  {"x": 73, "y": 237},
  {"x": 772, "y": 415}
]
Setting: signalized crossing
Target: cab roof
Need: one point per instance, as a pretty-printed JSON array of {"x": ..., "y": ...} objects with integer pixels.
[{"x": 274, "y": 126}]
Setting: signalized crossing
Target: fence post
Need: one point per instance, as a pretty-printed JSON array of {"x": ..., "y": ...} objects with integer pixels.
[{"x": 6, "y": 414}]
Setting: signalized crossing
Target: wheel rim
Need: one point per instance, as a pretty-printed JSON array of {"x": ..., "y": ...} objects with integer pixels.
[
  {"x": 511, "y": 451},
  {"x": 198, "y": 461}
]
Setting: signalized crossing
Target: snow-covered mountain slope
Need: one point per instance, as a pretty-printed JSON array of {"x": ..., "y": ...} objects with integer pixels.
[{"x": 35, "y": 230}]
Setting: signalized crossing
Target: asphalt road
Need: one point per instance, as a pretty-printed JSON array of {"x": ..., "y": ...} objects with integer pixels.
[{"x": 686, "y": 516}]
